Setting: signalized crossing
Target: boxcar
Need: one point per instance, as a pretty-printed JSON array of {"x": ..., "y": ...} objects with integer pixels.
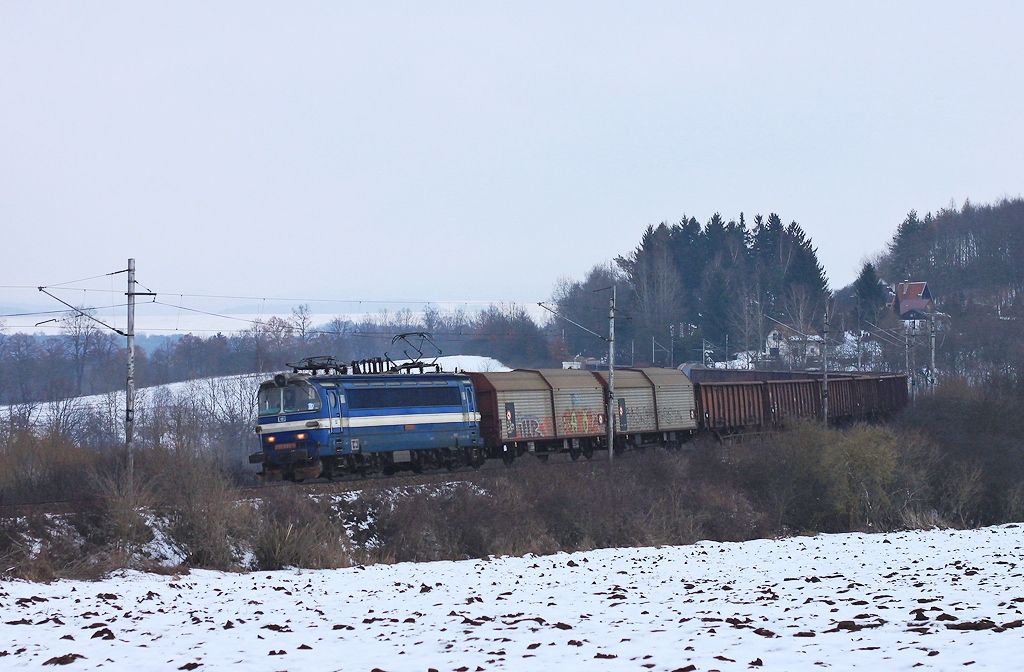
[
  {"x": 653, "y": 404},
  {"x": 540, "y": 411}
]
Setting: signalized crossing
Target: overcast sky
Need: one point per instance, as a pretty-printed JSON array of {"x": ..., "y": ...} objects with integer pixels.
[{"x": 480, "y": 150}]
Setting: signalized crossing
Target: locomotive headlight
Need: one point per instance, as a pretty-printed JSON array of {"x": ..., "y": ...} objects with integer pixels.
[
  {"x": 300, "y": 436},
  {"x": 271, "y": 439}
]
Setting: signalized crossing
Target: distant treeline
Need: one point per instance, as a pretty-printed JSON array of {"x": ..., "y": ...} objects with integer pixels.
[
  {"x": 687, "y": 292},
  {"x": 85, "y": 359}
]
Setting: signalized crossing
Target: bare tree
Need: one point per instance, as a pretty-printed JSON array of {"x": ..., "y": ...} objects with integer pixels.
[
  {"x": 801, "y": 308},
  {"x": 63, "y": 417},
  {"x": 745, "y": 318},
  {"x": 302, "y": 322},
  {"x": 79, "y": 334}
]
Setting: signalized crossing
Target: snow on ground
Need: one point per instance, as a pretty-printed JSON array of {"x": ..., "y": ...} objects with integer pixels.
[{"x": 929, "y": 600}]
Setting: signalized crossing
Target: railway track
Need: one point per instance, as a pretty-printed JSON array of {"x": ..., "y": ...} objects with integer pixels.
[
  {"x": 55, "y": 508},
  {"x": 491, "y": 469}
]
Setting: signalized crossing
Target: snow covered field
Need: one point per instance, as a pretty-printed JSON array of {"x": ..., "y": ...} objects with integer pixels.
[{"x": 928, "y": 600}]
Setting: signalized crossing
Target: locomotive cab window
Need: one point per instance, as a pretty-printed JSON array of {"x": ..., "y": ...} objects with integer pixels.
[{"x": 297, "y": 396}]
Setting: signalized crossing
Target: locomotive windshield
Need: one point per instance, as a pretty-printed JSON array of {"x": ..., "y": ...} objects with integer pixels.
[{"x": 297, "y": 396}]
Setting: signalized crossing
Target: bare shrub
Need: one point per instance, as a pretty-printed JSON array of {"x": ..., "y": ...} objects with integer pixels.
[
  {"x": 722, "y": 512},
  {"x": 920, "y": 519},
  {"x": 459, "y": 521},
  {"x": 205, "y": 519},
  {"x": 976, "y": 431},
  {"x": 962, "y": 489},
  {"x": 869, "y": 459},
  {"x": 649, "y": 499},
  {"x": 39, "y": 548},
  {"x": 814, "y": 478},
  {"x": 294, "y": 530},
  {"x": 113, "y": 517},
  {"x": 40, "y": 469},
  {"x": 918, "y": 471},
  {"x": 797, "y": 475}
]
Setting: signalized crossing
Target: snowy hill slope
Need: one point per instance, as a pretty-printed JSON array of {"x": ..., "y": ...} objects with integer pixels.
[
  {"x": 235, "y": 387},
  {"x": 910, "y": 600}
]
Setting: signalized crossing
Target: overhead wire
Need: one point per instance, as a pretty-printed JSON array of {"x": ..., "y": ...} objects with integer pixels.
[
  {"x": 264, "y": 299},
  {"x": 91, "y": 277},
  {"x": 60, "y": 312}
]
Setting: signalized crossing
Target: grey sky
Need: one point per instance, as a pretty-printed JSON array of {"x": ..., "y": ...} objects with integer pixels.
[{"x": 478, "y": 150}]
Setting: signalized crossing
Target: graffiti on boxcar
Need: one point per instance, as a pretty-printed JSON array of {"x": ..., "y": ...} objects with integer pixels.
[
  {"x": 640, "y": 419},
  {"x": 581, "y": 421},
  {"x": 519, "y": 427},
  {"x": 532, "y": 428}
]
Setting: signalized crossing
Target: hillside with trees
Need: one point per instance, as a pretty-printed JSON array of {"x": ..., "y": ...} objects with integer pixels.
[{"x": 972, "y": 258}]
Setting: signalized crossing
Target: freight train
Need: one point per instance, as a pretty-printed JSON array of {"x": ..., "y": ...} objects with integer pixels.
[{"x": 327, "y": 419}]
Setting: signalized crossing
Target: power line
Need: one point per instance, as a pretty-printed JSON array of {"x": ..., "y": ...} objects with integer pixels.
[
  {"x": 205, "y": 312},
  {"x": 357, "y": 301},
  {"x": 454, "y": 301},
  {"x": 91, "y": 277},
  {"x": 59, "y": 312},
  {"x": 79, "y": 311}
]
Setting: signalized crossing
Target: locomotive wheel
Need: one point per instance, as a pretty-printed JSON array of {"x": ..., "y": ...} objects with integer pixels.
[
  {"x": 507, "y": 458},
  {"x": 588, "y": 452},
  {"x": 574, "y": 454}
]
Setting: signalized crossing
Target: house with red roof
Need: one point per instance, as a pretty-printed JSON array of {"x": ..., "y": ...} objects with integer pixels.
[{"x": 912, "y": 301}]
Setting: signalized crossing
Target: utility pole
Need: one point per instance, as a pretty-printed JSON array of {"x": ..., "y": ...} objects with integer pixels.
[
  {"x": 824, "y": 362},
  {"x": 931, "y": 335},
  {"x": 610, "y": 411},
  {"x": 612, "y": 414},
  {"x": 129, "y": 397},
  {"x": 671, "y": 346},
  {"x": 906, "y": 346},
  {"x": 860, "y": 349}
]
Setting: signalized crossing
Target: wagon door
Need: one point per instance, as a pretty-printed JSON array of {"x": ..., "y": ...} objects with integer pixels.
[{"x": 335, "y": 401}]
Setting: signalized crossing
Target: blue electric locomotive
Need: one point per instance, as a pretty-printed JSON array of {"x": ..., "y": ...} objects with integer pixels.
[{"x": 335, "y": 423}]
